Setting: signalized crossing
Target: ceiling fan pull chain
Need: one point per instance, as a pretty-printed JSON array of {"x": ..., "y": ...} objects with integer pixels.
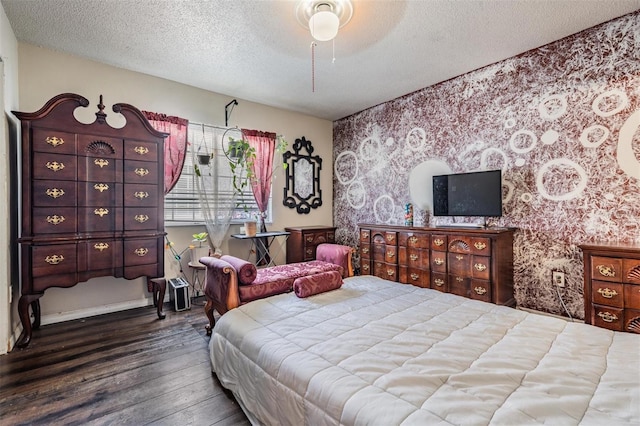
[
  {"x": 313, "y": 66},
  {"x": 333, "y": 42}
]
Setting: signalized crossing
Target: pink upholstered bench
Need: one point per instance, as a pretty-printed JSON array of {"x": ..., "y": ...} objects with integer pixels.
[{"x": 231, "y": 282}]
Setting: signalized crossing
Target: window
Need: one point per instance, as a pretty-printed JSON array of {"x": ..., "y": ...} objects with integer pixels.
[{"x": 182, "y": 204}]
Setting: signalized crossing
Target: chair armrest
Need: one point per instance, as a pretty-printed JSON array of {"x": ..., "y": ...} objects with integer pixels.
[
  {"x": 337, "y": 254},
  {"x": 221, "y": 284}
]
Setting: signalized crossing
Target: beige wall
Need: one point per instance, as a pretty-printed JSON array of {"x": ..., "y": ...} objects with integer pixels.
[
  {"x": 46, "y": 73},
  {"x": 8, "y": 101}
]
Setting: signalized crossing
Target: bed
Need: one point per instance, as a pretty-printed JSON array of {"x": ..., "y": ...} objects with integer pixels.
[{"x": 381, "y": 353}]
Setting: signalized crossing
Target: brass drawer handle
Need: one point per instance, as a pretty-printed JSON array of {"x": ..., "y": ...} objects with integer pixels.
[
  {"x": 459, "y": 279},
  {"x": 142, "y": 251},
  {"x": 413, "y": 239},
  {"x": 390, "y": 254},
  {"x": 390, "y": 272},
  {"x": 438, "y": 282},
  {"x": 365, "y": 235},
  {"x": 55, "y": 192},
  {"x": 141, "y": 172},
  {"x": 141, "y": 218},
  {"x": 55, "y": 166},
  {"x": 606, "y": 271},
  {"x": 365, "y": 250},
  {"x": 438, "y": 261},
  {"x": 480, "y": 267},
  {"x": 101, "y": 212},
  {"x": 459, "y": 257},
  {"x": 413, "y": 257},
  {"x": 101, "y": 162},
  {"x": 607, "y": 293},
  {"x": 141, "y": 195},
  {"x": 55, "y": 219},
  {"x": 607, "y": 316},
  {"x": 101, "y": 246},
  {"x": 54, "y": 259},
  {"x": 390, "y": 238},
  {"x": 310, "y": 238},
  {"x": 365, "y": 267},
  {"x": 309, "y": 251},
  {"x": 480, "y": 290},
  {"x": 479, "y": 245},
  {"x": 415, "y": 276},
  {"x": 101, "y": 187},
  {"x": 438, "y": 242},
  {"x": 142, "y": 150},
  {"x": 54, "y": 141}
]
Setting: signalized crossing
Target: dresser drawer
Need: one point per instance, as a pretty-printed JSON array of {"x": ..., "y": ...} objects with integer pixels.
[
  {"x": 459, "y": 285},
  {"x": 413, "y": 257},
  {"x": 54, "y": 166},
  {"x": 100, "y": 147},
  {"x": 142, "y": 218},
  {"x": 459, "y": 264},
  {"x": 99, "y": 219},
  {"x": 385, "y": 271},
  {"x": 54, "y": 193},
  {"x": 481, "y": 267},
  {"x": 632, "y": 296},
  {"x": 142, "y": 151},
  {"x": 606, "y": 269},
  {"x": 608, "y": 317},
  {"x": 97, "y": 169},
  {"x": 54, "y": 141},
  {"x": 480, "y": 290},
  {"x": 481, "y": 246},
  {"x": 140, "y": 172},
  {"x": 414, "y": 276},
  {"x": 53, "y": 259},
  {"x": 365, "y": 236},
  {"x": 140, "y": 251},
  {"x": 439, "y": 282},
  {"x": 631, "y": 268},
  {"x": 316, "y": 238},
  {"x": 140, "y": 195},
  {"x": 98, "y": 255},
  {"x": 54, "y": 220},
  {"x": 439, "y": 242},
  {"x": 415, "y": 240},
  {"x": 99, "y": 194},
  {"x": 607, "y": 293},
  {"x": 365, "y": 267},
  {"x": 365, "y": 251},
  {"x": 439, "y": 261}
]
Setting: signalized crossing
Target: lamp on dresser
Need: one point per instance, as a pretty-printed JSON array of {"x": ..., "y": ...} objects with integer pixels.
[{"x": 92, "y": 201}]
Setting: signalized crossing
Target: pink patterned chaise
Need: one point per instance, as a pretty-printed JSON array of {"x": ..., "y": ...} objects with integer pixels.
[{"x": 231, "y": 282}]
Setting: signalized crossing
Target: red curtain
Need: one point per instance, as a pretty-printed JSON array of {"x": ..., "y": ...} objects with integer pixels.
[
  {"x": 175, "y": 145},
  {"x": 265, "y": 144}
]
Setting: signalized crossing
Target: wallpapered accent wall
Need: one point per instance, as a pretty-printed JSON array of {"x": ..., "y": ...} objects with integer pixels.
[{"x": 561, "y": 121}]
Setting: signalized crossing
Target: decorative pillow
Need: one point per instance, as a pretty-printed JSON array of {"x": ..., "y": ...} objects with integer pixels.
[
  {"x": 247, "y": 271},
  {"x": 317, "y": 283}
]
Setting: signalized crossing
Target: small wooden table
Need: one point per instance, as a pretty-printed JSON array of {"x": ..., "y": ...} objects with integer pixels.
[{"x": 261, "y": 243}]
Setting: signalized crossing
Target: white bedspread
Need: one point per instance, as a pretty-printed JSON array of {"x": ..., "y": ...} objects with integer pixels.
[{"x": 381, "y": 353}]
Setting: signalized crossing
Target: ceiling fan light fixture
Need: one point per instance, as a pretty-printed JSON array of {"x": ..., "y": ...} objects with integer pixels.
[
  {"x": 323, "y": 18},
  {"x": 324, "y": 25}
]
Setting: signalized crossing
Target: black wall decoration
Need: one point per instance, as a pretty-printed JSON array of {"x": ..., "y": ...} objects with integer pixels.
[{"x": 302, "y": 187}]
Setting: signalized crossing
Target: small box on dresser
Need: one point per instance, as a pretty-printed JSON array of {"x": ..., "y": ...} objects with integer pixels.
[{"x": 612, "y": 286}]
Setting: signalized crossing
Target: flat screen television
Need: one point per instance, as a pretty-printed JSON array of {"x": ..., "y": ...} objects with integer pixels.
[{"x": 468, "y": 194}]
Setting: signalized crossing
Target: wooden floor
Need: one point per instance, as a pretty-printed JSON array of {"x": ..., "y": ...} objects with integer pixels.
[{"x": 126, "y": 368}]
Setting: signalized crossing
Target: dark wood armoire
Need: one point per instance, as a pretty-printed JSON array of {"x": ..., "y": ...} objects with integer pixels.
[{"x": 92, "y": 201}]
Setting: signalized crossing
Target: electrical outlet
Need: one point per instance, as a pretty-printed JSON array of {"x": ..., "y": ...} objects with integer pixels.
[{"x": 558, "y": 278}]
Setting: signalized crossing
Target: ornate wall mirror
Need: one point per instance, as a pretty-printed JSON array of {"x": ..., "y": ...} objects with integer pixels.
[{"x": 302, "y": 187}]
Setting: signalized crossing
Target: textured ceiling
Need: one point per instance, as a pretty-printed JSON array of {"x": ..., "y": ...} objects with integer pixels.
[{"x": 256, "y": 50}]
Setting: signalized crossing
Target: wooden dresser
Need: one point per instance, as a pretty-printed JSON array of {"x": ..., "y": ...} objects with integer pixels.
[
  {"x": 92, "y": 201},
  {"x": 475, "y": 263},
  {"x": 303, "y": 240},
  {"x": 612, "y": 286}
]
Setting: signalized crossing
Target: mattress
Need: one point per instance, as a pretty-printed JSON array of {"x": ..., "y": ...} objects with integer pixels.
[{"x": 376, "y": 352}]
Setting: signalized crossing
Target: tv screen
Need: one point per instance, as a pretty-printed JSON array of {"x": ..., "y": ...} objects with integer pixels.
[{"x": 468, "y": 194}]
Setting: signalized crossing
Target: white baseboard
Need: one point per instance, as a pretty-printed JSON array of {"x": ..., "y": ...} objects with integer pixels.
[
  {"x": 93, "y": 311},
  {"x": 533, "y": 311}
]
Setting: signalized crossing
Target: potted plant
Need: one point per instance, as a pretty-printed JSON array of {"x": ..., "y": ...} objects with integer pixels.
[{"x": 197, "y": 249}]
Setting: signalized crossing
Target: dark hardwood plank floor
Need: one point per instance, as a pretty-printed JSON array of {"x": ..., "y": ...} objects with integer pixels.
[{"x": 125, "y": 368}]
